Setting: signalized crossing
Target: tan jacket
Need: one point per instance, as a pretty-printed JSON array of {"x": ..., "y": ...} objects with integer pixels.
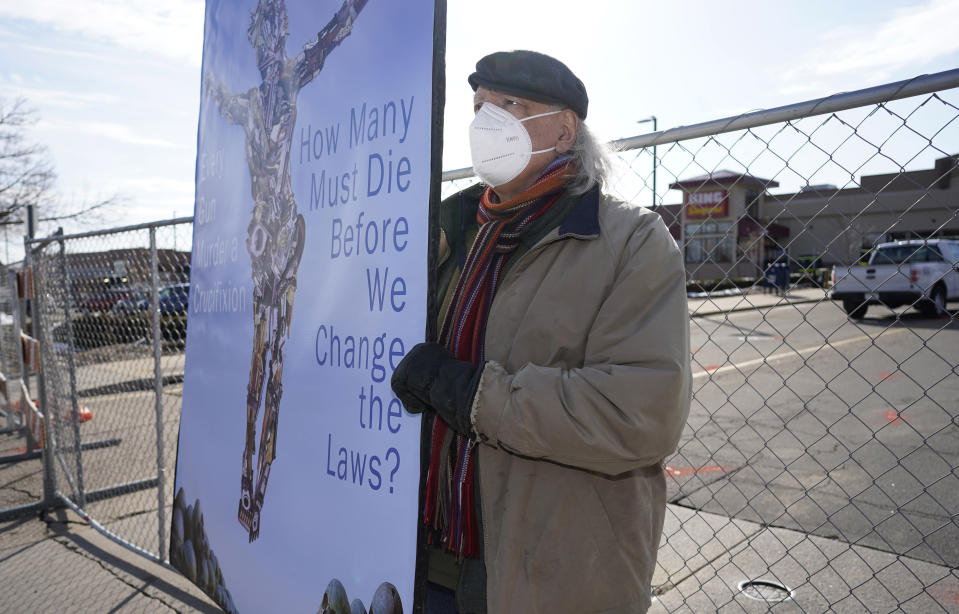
[{"x": 585, "y": 392}]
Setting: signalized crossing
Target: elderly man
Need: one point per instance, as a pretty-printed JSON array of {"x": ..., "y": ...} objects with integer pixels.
[{"x": 561, "y": 378}]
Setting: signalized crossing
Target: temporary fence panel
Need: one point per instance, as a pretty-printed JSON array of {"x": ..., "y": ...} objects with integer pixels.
[
  {"x": 22, "y": 429},
  {"x": 112, "y": 309},
  {"x": 819, "y": 462}
]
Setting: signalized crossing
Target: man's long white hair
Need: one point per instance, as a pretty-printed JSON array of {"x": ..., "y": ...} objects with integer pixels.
[{"x": 592, "y": 160}]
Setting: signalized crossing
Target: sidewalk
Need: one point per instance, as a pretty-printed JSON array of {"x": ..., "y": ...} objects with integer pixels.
[
  {"x": 58, "y": 563},
  {"x": 707, "y": 557},
  {"x": 712, "y": 305}
]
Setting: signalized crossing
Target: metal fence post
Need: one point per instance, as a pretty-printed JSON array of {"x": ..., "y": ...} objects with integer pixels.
[
  {"x": 71, "y": 345},
  {"x": 158, "y": 390},
  {"x": 36, "y": 330}
]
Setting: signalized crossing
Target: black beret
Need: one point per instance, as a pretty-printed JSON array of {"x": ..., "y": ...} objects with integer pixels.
[{"x": 531, "y": 75}]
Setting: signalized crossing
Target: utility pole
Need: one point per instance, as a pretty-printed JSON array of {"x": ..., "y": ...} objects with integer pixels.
[{"x": 31, "y": 221}]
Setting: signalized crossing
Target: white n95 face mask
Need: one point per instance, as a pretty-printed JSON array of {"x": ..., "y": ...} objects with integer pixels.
[{"x": 500, "y": 145}]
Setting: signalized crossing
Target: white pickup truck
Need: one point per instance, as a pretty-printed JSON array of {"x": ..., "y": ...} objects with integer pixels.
[{"x": 924, "y": 274}]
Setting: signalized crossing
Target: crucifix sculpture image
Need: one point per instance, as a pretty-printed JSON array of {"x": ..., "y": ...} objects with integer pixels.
[{"x": 276, "y": 233}]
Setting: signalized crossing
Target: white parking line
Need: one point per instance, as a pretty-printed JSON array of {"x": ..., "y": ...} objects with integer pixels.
[{"x": 795, "y": 353}]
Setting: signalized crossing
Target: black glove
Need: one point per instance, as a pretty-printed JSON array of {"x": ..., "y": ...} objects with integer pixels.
[{"x": 429, "y": 377}]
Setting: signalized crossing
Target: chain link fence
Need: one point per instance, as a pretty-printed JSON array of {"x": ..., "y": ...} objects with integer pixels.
[
  {"x": 818, "y": 471},
  {"x": 818, "y": 468},
  {"x": 111, "y": 313}
]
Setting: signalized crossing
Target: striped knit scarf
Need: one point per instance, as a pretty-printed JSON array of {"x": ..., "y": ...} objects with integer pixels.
[{"x": 450, "y": 510}]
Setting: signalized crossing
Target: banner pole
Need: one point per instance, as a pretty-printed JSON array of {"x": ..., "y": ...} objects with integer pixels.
[{"x": 432, "y": 304}]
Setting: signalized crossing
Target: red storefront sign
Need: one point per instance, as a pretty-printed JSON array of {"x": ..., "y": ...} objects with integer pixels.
[{"x": 701, "y": 205}]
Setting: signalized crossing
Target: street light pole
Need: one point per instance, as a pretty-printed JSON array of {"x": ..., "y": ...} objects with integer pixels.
[{"x": 652, "y": 118}]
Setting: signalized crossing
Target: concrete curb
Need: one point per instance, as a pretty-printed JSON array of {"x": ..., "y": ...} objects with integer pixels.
[{"x": 700, "y": 314}]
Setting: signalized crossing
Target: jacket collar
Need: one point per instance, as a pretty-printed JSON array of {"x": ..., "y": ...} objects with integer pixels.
[
  {"x": 583, "y": 219},
  {"x": 581, "y": 222}
]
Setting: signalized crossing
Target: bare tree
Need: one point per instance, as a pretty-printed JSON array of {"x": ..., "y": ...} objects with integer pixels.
[
  {"x": 27, "y": 176},
  {"x": 26, "y": 173}
]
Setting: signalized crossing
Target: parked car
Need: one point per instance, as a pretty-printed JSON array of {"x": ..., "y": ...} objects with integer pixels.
[
  {"x": 920, "y": 273},
  {"x": 172, "y": 299},
  {"x": 130, "y": 303},
  {"x": 106, "y": 300}
]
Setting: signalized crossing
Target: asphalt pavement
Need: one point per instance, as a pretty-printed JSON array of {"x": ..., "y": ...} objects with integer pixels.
[{"x": 737, "y": 513}]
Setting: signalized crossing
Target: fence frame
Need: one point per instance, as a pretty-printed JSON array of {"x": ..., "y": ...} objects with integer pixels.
[{"x": 54, "y": 498}]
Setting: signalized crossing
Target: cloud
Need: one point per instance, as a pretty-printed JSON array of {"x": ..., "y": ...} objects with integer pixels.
[
  {"x": 71, "y": 54},
  {"x": 910, "y": 36},
  {"x": 121, "y": 133},
  {"x": 171, "y": 29},
  {"x": 179, "y": 189},
  {"x": 146, "y": 197},
  {"x": 106, "y": 130},
  {"x": 58, "y": 98}
]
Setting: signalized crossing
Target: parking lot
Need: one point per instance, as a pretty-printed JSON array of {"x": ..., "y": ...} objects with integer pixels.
[{"x": 805, "y": 419}]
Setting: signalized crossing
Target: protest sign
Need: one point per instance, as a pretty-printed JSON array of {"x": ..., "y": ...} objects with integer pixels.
[{"x": 297, "y": 469}]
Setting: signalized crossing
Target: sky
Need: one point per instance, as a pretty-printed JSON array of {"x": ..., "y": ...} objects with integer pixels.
[{"x": 116, "y": 83}]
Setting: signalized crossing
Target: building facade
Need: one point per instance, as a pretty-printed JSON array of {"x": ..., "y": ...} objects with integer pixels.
[{"x": 730, "y": 225}]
